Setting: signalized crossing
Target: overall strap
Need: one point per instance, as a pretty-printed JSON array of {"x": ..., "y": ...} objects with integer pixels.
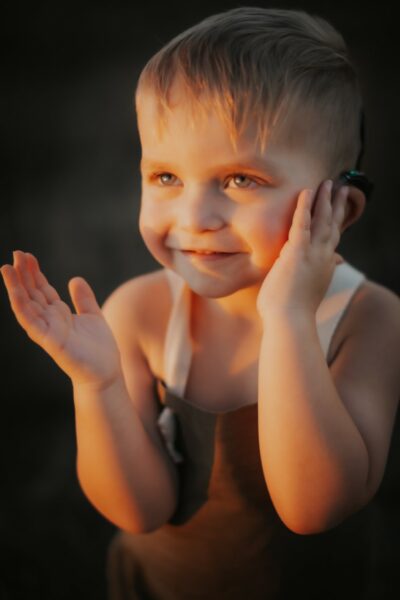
[
  {"x": 178, "y": 343},
  {"x": 345, "y": 282}
]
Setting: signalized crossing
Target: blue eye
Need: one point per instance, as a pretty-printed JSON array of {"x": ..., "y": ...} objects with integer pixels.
[
  {"x": 164, "y": 179},
  {"x": 242, "y": 176},
  {"x": 158, "y": 177}
]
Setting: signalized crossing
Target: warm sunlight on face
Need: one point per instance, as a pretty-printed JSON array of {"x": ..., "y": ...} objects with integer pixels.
[{"x": 217, "y": 217}]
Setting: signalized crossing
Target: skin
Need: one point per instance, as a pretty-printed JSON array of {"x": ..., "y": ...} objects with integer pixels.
[
  {"x": 324, "y": 431},
  {"x": 195, "y": 202}
]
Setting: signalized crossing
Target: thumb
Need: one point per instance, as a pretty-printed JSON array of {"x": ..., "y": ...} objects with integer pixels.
[{"x": 83, "y": 297}]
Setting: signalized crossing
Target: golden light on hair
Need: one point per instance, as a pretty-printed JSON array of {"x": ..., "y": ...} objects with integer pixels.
[{"x": 286, "y": 72}]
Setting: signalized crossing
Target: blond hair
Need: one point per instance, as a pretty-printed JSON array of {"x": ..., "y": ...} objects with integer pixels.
[{"x": 284, "y": 69}]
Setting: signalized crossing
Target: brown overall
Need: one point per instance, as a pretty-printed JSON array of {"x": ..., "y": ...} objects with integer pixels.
[{"x": 225, "y": 541}]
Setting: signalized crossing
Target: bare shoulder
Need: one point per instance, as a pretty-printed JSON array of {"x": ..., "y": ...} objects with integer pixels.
[
  {"x": 373, "y": 311},
  {"x": 139, "y": 307},
  {"x": 140, "y": 289},
  {"x": 366, "y": 373},
  {"x": 375, "y": 308},
  {"x": 371, "y": 328},
  {"x": 136, "y": 312},
  {"x": 374, "y": 330}
]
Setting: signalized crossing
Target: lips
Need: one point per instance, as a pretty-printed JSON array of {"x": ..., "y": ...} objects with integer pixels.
[
  {"x": 206, "y": 252},
  {"x": 208, "y": 255}
]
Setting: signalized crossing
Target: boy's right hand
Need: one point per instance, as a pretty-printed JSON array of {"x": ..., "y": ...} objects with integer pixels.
[{"x": 81, "y": 344}]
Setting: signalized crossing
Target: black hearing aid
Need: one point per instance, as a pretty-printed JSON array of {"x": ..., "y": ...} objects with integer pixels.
[
  {"x": 355, "y": 176},
  {"x": 358, "y": 180}
]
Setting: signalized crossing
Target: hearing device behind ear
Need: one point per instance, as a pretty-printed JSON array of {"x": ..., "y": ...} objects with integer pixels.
[
  {"x": 358, "y": 180},
  {"x": 355, "y": 176}
]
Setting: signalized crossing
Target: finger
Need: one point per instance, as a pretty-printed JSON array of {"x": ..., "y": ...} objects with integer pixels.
[
  {"x": 23, "y": 272},
  {"x": 338, "y": 215},
  {"x": 83, "y": 297},
  {"x": 27, "y": 312},
  {"x": 300, "y": 229},
  {"x": 23, "y": 268},
  {"x": 322, "y": 217},
  {"x": 339, "y": 205},
  {"x": 53, "y": 307},
  {"x": 48, "y": 291},
  {"x": 17, "y": 292}
]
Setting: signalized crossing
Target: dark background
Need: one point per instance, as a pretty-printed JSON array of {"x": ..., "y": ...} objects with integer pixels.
[{"x": 70, "y": 194}]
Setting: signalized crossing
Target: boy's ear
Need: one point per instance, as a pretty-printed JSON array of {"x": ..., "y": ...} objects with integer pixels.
[{"x": 355, "y": 206}]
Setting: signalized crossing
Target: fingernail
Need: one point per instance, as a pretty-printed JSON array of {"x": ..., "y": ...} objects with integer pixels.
[{"x": 328, "y": 185}]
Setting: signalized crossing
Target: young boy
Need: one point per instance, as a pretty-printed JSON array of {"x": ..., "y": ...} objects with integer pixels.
[{"x": 250, "y": 385}]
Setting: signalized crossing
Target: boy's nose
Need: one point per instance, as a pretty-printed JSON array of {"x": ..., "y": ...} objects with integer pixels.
[{"x": 200, "y": 211}]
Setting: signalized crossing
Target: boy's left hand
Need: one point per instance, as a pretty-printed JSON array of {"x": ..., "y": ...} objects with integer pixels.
[{"x": 300, "y": 276}]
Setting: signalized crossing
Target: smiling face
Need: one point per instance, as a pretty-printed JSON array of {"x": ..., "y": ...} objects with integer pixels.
[{"x": 217, "y": 216}]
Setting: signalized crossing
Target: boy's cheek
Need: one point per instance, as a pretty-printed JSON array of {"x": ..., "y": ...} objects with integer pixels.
[
  {"x": 268, "y": 238},
  {"x": 154, "y": 242}
]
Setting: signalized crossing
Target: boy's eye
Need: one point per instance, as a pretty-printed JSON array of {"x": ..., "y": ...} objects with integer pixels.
[
  {"x": 163, "y": 179},
  {"x": 238, "y": 180}
]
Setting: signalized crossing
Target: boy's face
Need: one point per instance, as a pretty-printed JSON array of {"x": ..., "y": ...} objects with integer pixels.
[{"x": 200, "y": 196}]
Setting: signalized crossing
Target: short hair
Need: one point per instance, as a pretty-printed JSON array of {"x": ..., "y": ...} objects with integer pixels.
[{"x": 286, "y": 69}]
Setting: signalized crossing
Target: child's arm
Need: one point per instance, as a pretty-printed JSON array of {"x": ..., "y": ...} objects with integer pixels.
[
  {"x": 122, "y": 466},
  {"x": 324, "y": 432}
]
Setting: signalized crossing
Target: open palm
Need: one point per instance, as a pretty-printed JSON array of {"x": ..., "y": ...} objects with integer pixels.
[{"x": 82, "y": 344}]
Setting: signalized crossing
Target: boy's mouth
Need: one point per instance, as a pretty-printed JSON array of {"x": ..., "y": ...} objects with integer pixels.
[{"x": 208, "y": 254}]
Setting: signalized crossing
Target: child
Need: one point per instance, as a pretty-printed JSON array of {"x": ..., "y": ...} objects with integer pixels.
[{"x": 249, "y": 386}]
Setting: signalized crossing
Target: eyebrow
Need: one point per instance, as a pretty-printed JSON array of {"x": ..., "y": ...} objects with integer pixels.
[{"x": 246, "y": 163}]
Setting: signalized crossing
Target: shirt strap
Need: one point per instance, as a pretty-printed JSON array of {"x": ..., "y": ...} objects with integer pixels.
[
  {"x": 178, "y": 343},
  {"x": 344, "y": 283}
]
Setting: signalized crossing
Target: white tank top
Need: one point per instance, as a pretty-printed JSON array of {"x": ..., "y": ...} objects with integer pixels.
[{"x": 178, "y": 346}]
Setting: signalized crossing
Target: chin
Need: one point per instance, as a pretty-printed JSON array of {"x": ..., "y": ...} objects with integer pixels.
[
  {"x": 211, "y": 286},
  {"x": 211, "y": 291}
]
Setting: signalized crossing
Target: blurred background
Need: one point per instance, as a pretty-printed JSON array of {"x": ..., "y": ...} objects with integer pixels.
[{"x": 70, "y": 194}]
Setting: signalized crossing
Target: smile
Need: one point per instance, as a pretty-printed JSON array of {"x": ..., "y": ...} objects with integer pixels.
[{"x": 208, "y": 254}]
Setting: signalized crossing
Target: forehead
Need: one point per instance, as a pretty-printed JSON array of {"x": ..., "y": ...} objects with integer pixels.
[
  {"x": 182, "y": 114},
  {"x": 201, "y": 138},
  {"x": 188, "y": 134}
]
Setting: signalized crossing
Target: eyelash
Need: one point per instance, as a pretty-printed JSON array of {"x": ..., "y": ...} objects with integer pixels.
[{"x": 156, "y": 176}]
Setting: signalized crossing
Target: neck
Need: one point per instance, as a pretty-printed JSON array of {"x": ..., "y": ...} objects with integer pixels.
[{"x": 240, "y": 305}]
